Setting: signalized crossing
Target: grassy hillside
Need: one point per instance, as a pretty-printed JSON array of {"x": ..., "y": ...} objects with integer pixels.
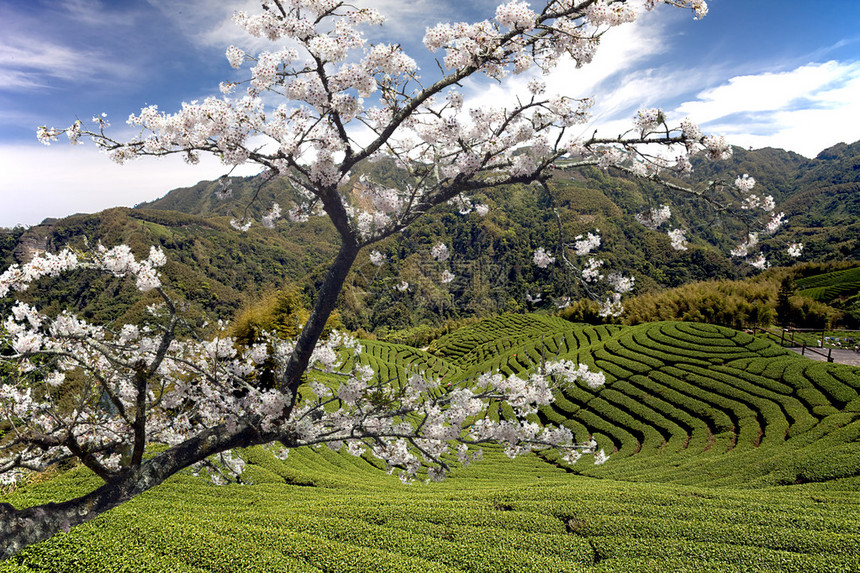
[
  {"x": 499, "y": 516},
  {"x": 684, "y": 402},
  {"x": 728, "y": 454},
  {"x": 211, "y": 266},
  {"x": 828, "y": 286}
]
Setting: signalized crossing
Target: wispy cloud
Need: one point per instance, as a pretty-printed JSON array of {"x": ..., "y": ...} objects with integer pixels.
[
  {"x": 46, "y": 43},
  {"x": 818, "y": 84},
  {"x": 209, "y": 25},
  {"x": 619, "y": 78},
  {"x": 97, "y": 14},
  {"x": 29, "y": 63},
  {"x": 805, "y": 109}
]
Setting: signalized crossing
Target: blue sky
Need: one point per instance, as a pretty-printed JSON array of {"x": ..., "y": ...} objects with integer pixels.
[{"x": 778, "y": 73}]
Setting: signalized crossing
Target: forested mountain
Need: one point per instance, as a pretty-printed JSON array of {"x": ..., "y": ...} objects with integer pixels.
[
  {"x": 219, "y": 270},
  {"x": 820, "y": 197}
]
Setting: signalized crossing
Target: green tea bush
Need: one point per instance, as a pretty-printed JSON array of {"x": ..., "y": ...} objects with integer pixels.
[{"x": 748, "y": 464}]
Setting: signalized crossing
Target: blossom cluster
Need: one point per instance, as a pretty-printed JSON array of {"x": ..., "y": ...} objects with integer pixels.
[
  {"x": 585, "y": 244},
  {"x": 647, "y": 120},
  {"x": 795, "y": 250},
  {"x": 18, "y": 277},
  {"x": 745, "y": 183},
  {"x": 775, "y": 222},
  {"x": 605, "y": 13},
  {"x": 439, "y": 252},
  {"x": 516, "y": 15},
  {"x": 377, "y": 259},
  {"x": 753, "y": 201},
  {"x": 611, "y": 306},
  {"x": 590, "y": 274},
  {"x": 619, "y": 283},
  {"x": 591, "y": 270},
  {"x": 273, "y": 215},
  {"x": 759, "y": 262},
  {"x": 119, "y": 261},
  {"x": 678, "y": 239},
  {"x": 542, "y": 259},
  {"x": 185, "y": 385},
  {"x": 744, "y": 248},
  {"x": 653, "y": 218}
]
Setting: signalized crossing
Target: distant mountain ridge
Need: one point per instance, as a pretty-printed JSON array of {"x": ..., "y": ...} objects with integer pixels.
[{"x": 219, "y": 270}]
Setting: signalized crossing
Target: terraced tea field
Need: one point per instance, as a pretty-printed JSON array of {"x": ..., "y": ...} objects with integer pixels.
[
  {"x": 727, "y": 454},
  {"x": 827, "y": 286}
]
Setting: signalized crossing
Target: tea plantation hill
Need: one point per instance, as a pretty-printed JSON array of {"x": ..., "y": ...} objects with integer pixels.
[
  {"x": 219, "y": 270},
  {"x": 830, "y": 286},
  {"x": 727, "y": 454}
]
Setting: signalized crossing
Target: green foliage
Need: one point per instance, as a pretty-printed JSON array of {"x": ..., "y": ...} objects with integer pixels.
[
  {"x": 758, "y": 301},
  {"x": 729, "y": 303},
  {"x": 282, "y": 312},
  {"x": 583, "y": 310},
  {"x": 210, "y": 265},
  {"x": 9, "y": 240}
]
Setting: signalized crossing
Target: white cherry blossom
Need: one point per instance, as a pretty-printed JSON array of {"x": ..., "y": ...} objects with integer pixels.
[
  {"x": 542, "y": 259},
  {"x": 678, "y": 239}
]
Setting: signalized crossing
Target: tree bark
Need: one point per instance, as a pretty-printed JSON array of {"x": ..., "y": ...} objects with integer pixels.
[
  {"x": 20, "y": 528},
  {"x": 326, "y": 299}
]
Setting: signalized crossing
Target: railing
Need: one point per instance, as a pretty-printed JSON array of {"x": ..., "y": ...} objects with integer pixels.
[{"x": 784, "y": 341}]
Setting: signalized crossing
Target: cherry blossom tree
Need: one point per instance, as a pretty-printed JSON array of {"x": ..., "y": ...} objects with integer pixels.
[{"x": 310, "y": 113}]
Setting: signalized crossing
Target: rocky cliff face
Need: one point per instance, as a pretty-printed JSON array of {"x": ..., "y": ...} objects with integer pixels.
[{"x": 34, "y": 240}]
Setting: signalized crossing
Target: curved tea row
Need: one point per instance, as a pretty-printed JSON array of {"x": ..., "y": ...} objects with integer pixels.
[{"x": 683, "y": 402}]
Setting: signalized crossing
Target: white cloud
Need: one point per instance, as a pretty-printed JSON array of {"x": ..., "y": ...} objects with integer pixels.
[
  {"x": 38, "y": 182},
  {"x": 618, "y": 78},
  {"x": 805, "y": 109},
  {"x": 61, "y": 41},
  {"x": 94, "y": 13},
  {"x": 768, "y": 92},
  {"x": 212, "y": 25}
]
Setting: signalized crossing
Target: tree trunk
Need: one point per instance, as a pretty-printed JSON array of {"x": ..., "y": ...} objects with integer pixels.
[
  {"x": 20, "y": 528},
  {"x": 326, "y": 299}
]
